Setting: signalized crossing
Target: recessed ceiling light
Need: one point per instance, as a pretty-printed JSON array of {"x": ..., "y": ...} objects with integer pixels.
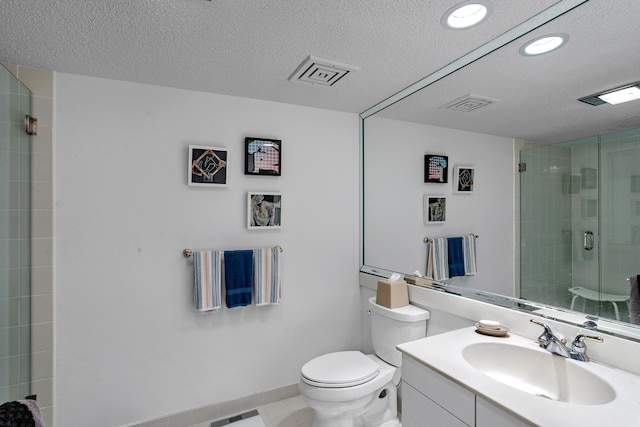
[
  {"x": 544, "y": 44},
  {"x": 467, "y": 14}
]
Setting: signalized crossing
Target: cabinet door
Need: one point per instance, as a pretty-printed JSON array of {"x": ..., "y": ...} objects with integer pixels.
[
  {"x": 420, "y": 411},
  {"x": 444, "y": 392},
  {"x": 489, "y": 415}
]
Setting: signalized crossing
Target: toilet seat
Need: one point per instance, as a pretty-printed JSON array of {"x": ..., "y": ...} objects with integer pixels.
[{"x": 340, "y": 369}]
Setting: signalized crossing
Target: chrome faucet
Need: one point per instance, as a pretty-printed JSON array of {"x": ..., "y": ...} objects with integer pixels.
[{"x": 555, "y": 345}]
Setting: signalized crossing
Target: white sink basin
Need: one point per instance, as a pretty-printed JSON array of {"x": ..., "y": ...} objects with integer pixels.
[{"x": 538, "y": 372}]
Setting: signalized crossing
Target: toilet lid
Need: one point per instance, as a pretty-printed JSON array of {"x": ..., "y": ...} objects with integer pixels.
[{"x": 341, "y": 369}]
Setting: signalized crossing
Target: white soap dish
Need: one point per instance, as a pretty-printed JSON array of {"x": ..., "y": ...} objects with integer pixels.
[{"x": 494, "y": 331}]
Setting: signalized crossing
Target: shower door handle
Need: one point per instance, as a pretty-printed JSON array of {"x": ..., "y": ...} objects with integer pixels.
[{"x": 588, "y": 240}]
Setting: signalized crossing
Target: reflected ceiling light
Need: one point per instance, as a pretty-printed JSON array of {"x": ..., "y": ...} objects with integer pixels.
[
  {"x": 467, "y": 14},
  {"x": 544, "y": 44},
  {"x": 622, "y": 95},
  {"x": 629, "y": 92}
]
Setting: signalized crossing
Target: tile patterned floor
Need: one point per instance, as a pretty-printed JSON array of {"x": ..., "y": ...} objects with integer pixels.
[{"x": 292, "y": 412}]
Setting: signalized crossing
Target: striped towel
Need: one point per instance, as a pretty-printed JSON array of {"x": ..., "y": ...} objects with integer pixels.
[
  {"x": 437, "y": 259},
  {"x": 266, "y": 276},
  {"x": 207, "y": 272},
  {"x": 469, "y": 251}
]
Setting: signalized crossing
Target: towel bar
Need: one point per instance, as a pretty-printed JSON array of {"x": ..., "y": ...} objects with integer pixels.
[
  {"x": 429, "y": 240},
  {"x": 188, "y": 252}
]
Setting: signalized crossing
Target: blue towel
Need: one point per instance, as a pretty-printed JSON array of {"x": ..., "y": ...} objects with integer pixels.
[
  {"x": 238, "y": 273},
  {"x": 455, "y": 256},
  {"x": 634, "y": 300}
]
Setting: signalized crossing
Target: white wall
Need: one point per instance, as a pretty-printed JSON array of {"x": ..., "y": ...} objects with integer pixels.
[
  {"x": 394, "y": 189},
  {"x": 128, "y": 344}
]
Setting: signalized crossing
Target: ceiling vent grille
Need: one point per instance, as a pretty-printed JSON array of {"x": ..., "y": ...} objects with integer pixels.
[
  {"x": 320, "y": 71},
  {"x": 469, "y": 102}
]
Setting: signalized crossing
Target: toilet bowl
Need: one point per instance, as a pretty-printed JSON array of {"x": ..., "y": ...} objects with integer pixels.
[{"x": 351, "y": 389}]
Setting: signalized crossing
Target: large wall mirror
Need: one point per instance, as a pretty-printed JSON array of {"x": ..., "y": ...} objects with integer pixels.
[{"x": 564, "y": 233}]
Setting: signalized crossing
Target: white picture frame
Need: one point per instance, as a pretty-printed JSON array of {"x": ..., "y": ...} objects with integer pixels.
[
  {"x": 208, "y": 166},
  {"x": 464, "y": 181},
  {"x": 434, "y": 209},
  {"x": 264, "y": 210}
]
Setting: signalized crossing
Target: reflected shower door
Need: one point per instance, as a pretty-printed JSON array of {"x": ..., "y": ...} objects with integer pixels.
[
  {"x": 559, "y": 230},
  {"x": 620, "y": 219},
  {"x": 580, "y": 223}
]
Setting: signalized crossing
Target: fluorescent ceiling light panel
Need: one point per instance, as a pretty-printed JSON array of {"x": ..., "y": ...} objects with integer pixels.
[
  {"x": 467, "y": 14},
  {"x": 619, "y": 96}
]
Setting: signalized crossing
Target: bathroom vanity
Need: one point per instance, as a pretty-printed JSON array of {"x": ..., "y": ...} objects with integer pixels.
[{"x": 463, "y": 378}]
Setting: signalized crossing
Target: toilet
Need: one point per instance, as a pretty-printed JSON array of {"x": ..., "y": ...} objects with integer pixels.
[{"x": 351, "y": 389}]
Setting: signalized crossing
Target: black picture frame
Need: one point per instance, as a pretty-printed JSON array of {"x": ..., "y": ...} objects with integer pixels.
[
  {"x": 436, "y": 168},
  {"x": 262, "y": 156}
]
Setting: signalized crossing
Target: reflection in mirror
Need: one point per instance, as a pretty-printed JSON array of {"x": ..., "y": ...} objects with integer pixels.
[
  {"x": 580, "y": 223},
  {"x": 577, "y": 258}
]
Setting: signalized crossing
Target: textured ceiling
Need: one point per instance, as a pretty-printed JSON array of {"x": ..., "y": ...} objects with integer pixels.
[{"x": 249, "y": 48}]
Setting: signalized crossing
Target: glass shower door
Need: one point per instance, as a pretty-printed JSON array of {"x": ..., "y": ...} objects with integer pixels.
[
  {"x": 559, "y": 229},
  {"x": 620, "y": 219},
  {"x": 580, "y": 223},
  {"x": 15, "y": 246}
]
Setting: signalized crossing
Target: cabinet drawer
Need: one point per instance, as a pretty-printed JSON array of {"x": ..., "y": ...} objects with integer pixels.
[
  {"x": 489, "y": 415},
  {"x": 420, "y": 411},
  {"x": 444, "y": 392}
]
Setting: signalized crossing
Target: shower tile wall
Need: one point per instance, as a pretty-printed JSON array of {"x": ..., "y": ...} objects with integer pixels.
[
  {"x": 41, "y": 84},
  {"x": 585, "y": 211},
  {"x": 15, "y": 205},
  {"x": 543, "y": 243}
]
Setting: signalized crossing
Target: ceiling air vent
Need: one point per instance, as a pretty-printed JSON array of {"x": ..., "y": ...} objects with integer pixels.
[
  {"x": 469, "y": 102},
  {"x": 321, "y": 71}
]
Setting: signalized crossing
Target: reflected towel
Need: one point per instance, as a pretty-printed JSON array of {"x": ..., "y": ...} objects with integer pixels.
[
  {"x": 469, "y": 251},
  {"x": 634, "y": 302},
  {"x": 21, "y": 413},
  {"x": 207, "y": 272},
  {"x": 238, "y": 275},
  {"x": 437, "y": 259},
  {"x": 266, "y": 276},
  {"x": 455, "y": 256}
]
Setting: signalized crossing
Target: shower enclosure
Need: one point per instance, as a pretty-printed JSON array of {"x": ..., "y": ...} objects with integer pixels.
[
  {"x": 15, "y": 241},
  {"x": 580, "y": 223}
]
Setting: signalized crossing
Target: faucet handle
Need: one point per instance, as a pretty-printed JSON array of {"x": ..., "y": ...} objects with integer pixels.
[
  {"x": 537, "y": 322},
  {"x": 579, "y": 348},
  {"x": 579, "y": 339},
  {"x": 546, "y": 336}
]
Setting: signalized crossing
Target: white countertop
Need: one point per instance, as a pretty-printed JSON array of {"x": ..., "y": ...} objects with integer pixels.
[{"x": 443, "y": 354}]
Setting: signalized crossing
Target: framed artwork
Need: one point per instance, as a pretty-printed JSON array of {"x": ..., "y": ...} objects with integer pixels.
[
  {"x": 208, "y": 166},
  {"x": 436, "y": 168},
  {"x": 589, "y": 177},
  {"x": 465, "y": 179},
  {"x": 262, "y": 156},
  {"x": 264, "y": 210},
  {"x": 434, "y": 209}
]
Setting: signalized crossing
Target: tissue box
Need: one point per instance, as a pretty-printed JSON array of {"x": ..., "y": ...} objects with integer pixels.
[{"x": 392, "y": 294}]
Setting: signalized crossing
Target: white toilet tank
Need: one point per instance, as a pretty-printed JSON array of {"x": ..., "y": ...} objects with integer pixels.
[{"x": 393, "y": 326}]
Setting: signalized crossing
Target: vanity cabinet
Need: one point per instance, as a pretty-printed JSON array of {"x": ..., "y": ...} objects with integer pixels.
[
  {"x": 489, "y": 415},
  {"x": 430, "y": 399}
]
